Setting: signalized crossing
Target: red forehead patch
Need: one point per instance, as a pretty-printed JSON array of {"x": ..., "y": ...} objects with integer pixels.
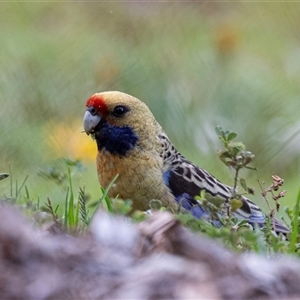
[{"x": 98, "y": 103}]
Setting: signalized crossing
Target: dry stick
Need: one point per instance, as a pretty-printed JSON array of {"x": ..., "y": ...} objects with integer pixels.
[{"x": 263, "y": 193}]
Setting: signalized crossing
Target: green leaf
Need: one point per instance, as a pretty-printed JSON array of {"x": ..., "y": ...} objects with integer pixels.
[
  {"x": 122, "y": 207},
  {"x": 155, "y": 204},
  {"x": 215, "y": 200},
  {"x": 219, "y": 131},
  {"x": 138, "y": 216},
  {"x": 243, "y": 184},
  {"x": 231, "y": 136},
  {"x": 201, "y": 196},
  {"x": 235, "y": 204}
]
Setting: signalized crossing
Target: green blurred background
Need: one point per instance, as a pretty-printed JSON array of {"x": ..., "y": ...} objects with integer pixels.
[{"x": 196, "y": 65}]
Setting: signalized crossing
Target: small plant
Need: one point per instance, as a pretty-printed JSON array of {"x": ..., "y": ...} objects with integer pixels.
[
  {"x": 237, "y": 158},
  {"x": 15, "y": 188},
  {"x": 75, "y": 217},
  {"x": 235, "y": 233}
]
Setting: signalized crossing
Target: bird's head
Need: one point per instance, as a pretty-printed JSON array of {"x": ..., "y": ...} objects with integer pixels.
[{"x": 119, "y": 122}]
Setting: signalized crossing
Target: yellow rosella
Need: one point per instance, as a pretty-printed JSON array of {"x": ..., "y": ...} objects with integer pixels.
[{"x": 132, "y": 144}]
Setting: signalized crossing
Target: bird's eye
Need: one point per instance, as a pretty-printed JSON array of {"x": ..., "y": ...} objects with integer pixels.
[
  {"x": 120, "y": 111},
  {"x": 92, "y": 110}
]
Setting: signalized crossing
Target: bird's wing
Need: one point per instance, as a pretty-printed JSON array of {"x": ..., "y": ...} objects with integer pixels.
[
  {"x": 189, "y": 180},
  {"x": 186, "y": 180}
]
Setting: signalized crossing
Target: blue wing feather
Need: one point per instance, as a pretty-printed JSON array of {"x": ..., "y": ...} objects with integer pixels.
[{"x": 188, "y": 183}]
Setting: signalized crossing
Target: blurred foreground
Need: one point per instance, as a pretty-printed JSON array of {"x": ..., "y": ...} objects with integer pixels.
[{"x": 157, "y": 259}]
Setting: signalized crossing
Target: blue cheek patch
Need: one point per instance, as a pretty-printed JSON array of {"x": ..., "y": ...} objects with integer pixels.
[{"x": 116, "y": 140}]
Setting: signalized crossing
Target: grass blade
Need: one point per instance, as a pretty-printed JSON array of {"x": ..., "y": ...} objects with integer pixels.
[
  {"x": 82, "y": 206},
  {"x": 66, "y": 208},
  {"x": 71, "y": 218},
  {"x": 294, "y": 234},
  {"x": 18, "y": 190},
  {"x": 105, "y": 197}
]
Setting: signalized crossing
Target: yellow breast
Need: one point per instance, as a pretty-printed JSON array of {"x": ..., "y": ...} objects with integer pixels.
[{"x": 140, "y": 179}]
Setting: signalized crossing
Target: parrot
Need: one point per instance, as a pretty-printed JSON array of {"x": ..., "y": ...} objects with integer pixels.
[{"x": 133, "y": 145}]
